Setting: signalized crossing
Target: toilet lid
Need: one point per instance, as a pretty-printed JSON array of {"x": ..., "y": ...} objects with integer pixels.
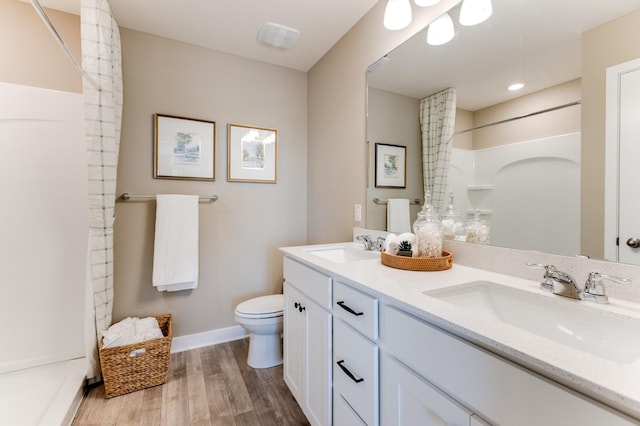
[{"x": 272, "y": 304}]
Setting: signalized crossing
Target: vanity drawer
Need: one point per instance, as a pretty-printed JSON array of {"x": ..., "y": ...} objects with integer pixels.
[
  {"x": 355, "y": 371},
  {"x": 358, "y": 309},
  {"x": 312, "y": 283}
]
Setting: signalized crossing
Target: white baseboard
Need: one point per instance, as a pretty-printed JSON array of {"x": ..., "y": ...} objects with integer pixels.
[{"x": 207, "y": 338}]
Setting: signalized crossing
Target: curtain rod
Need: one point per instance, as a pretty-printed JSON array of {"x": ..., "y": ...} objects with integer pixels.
[
  {"x": 531, "y": 114},
  {"x": 61, "y": 43}
]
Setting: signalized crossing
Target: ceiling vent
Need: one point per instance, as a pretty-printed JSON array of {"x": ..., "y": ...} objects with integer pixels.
[{"x": 279, "y": 36}]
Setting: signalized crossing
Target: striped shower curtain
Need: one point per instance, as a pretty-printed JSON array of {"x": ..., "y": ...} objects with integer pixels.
[
  {"x": 437, "y": 120},
  {"x": 102, "y": 86}
]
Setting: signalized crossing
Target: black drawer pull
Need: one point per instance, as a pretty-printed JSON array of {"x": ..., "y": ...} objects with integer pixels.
[
  {"x": 349, "y": 373},
  {"x": 348, "y": 309}
]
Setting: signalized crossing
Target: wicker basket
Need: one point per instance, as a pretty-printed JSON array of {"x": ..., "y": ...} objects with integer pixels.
[
  {"x": 418, "y": 263},
  {"x": 142, "y": 365}
]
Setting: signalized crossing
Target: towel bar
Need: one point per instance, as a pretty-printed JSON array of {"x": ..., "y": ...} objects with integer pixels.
[
  {"x": 127, "y": 197},
  {"x": 380, "y": 201}
]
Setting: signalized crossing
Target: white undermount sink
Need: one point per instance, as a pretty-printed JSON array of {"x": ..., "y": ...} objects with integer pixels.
[
  {"x": 570, "y": 322},
  {"x": 344, "y": 254}
]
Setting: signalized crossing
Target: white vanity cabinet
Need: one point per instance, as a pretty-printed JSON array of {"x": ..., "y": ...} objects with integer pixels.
[
  {"x": 408, "y": 399},
  {"x": 355, "y": 357},
  {"x": 307, "y": 340},
  {"x": 470, "y": 382}
]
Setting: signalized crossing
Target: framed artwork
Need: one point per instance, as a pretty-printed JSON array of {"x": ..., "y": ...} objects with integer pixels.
[
  {"x": 391, "y": 163},
  {"x": 252, "y": 153},
  {"x": 184, "y": 148}
]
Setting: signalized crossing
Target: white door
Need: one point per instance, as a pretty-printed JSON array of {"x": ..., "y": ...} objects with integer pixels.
[
  {"x": 622, "y": 194},
  {"x": 629, "y": 208}
]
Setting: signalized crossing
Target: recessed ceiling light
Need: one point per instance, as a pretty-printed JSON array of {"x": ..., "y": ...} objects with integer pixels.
[{"x": 515, "y": 86}]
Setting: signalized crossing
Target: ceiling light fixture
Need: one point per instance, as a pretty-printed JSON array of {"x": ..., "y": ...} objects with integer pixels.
[
  {"x": 397, "y": 14},
  {"x": 425, "y": 3},
  {"x": 515, "y": 86},
  {"x": 441, "y": 30},
  {"x": 473, "y": 12}
]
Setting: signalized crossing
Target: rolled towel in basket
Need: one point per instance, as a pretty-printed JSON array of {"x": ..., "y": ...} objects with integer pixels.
[
  {"x": 130, "y": 331},
  {"x": 147, "y": 329}
]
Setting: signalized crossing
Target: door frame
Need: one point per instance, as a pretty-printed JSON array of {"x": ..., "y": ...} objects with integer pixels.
[{"x": 612, "y": 161}]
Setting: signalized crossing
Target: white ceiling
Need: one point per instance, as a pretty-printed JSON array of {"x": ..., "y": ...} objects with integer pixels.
[
  {"x": 232, "y": 26},
  {"x": 533, "y": 41},
  {"x": 537, "y": 42}
]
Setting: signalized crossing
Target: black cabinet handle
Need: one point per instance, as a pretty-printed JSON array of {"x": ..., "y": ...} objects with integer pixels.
[
  {"x": 348, "y": 309},
  {"x": 349, "y": 373},
  {"x": 301, "y": 308}
]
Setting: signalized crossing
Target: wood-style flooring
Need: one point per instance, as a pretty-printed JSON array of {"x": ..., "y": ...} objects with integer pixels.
[{"x": 207, "y": 386}]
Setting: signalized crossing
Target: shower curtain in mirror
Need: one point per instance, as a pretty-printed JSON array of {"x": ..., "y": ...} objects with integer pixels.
[
  {"x": 102, "y": 86},
  {"x": 437, "y": 119}
]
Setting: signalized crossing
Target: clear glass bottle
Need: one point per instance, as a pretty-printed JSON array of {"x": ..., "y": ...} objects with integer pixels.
[
  {"x": 452, "y": 224},
  {"x": 477, "y": 230},
  {"x": 428, "y": 230}
]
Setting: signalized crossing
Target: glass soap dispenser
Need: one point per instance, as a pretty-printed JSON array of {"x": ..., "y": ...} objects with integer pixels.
[
  {"x": 452, "y": 224},
  {"x": 477, "y": 230},
  {"x": 428, "y": 230}
]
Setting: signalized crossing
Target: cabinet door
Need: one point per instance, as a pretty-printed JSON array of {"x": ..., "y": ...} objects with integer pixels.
[
  {"x": 408, "y": 400},
  {"x": 293, "y": 334},
  {"x": 317, "y": 366}
]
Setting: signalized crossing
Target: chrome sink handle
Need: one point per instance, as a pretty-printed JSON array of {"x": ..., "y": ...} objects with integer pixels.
[
  {"x": 547, "y": 284},
  {"x": 594, "y": 290}
]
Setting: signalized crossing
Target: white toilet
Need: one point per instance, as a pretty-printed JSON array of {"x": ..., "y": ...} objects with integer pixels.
[{"x": 263, "y": 317}]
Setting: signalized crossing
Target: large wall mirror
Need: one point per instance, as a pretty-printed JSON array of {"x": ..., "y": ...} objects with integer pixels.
[{"x": 530, "y": 161}]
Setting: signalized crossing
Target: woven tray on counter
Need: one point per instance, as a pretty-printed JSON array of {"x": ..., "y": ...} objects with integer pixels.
[{"x": 441, "y": 263}]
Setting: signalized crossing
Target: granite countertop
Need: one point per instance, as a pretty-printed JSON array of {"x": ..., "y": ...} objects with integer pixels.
[{"x": 615, "y": 384}]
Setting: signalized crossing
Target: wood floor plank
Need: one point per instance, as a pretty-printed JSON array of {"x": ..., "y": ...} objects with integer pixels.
[
  {"x": 130, "y": 409},
  {"x": 206, "y": 386},
  {"x": 175, "y": 405},
  {"x": 151, "y": 413},
  {"x": 257, "y": 392},
  {"x": 82, "y": 415},
  {"x": 249, "y": 418},
  {"x": 288, "y": 412},
  {"x": 105, "y": 411},
  {"x": 220, "y": 410},
  {"x": 210, "y": 364},
  {"x": 238, "y": 393},
  {"x": 197, "y": 389}
]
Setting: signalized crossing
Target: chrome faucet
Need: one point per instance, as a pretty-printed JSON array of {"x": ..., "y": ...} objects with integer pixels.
[
  {"x": 563, "y": 284},
  {"x": 594, "y": 288},
  {"x": 369, "y": 244},
  {"x": 558, "y": 282}
]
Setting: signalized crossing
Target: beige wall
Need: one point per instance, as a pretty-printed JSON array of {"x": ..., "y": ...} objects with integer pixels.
[
  {"x": 240, "y": 233},
  {"x": 559, "y": 122},
  {"x": 28, "y": 53},
  {"x": 337, "y": 125},
  {"x": 393, "y": 119},
  {"x": 602, "y": 47},
  {"x": 464, "y": 121}
]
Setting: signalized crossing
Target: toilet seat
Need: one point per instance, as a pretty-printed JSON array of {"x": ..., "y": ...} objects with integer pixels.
[{"x": 271, "y": 306}]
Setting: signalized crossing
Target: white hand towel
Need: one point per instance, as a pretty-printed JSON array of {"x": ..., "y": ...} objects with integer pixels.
[
  {"x": 175, "y": 254},
  {"x": 398, "y": 215}
]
